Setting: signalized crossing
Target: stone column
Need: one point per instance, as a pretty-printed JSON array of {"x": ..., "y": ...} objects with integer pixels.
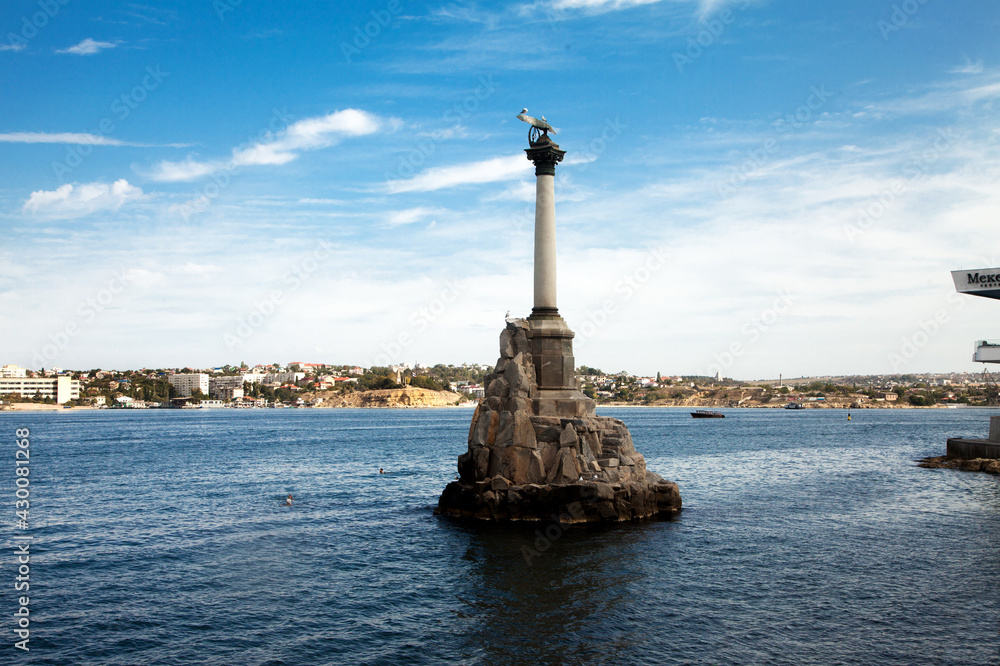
[{"x": 545, "y": 154}]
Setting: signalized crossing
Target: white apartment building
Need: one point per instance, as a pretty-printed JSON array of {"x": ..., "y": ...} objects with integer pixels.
[
  {"x": 186, "y": 383},
  {"x": 60, "y": 389},
  {"x": 10, "y": 371}
]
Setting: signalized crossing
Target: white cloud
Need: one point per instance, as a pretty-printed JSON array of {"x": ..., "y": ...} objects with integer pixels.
[
  {"x": 76, "y": 138},
  {"x": 705, "y": 7},
  {"x": 283, "y": 147},
  {"x": 969, "y": 67},
  {"x": 12, "y": 47},
  {"x": 88, "y": 47},
  {"x": 486, "y": 171},
  {"x": 73, "y": 200},
  {"x": 600, "y": 5},
  {"x": 411, "y": 215}
]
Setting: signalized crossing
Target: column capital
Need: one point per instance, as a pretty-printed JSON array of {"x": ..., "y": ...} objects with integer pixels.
[{"x": 545, "y": 154}]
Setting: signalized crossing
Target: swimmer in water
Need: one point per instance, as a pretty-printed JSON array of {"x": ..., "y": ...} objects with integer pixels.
[
  {"x": 288, "y": 502},
  {"x": 381, "y": 471}
]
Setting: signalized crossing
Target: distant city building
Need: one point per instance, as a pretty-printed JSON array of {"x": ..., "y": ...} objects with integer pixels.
[
  {"x": 889, "y": 396},
  {"x": 284, "y": 377},
  {"x": 186, "y": 383},
  {"x": 11, "y": 371},
  {"x": 228, "y": 393},
  {"x": 219, "y": 385},
  {"x": 60, "y": 389}
]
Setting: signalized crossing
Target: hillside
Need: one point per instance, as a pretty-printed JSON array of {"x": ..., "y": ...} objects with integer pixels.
[{"x": 404, "y": 397}]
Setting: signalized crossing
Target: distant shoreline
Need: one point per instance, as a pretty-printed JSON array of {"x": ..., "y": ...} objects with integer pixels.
[{"x": 34, "y": 407}]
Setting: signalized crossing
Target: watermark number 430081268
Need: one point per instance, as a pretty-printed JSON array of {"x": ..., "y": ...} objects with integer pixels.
[{"x": 22, "y": 540}]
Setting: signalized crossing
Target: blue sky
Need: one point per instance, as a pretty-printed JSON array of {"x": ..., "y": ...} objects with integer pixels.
[{"x": 750, "y": 187}]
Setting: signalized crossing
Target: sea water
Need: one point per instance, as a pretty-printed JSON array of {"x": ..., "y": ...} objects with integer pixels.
[{"x": 162, "y": 537}]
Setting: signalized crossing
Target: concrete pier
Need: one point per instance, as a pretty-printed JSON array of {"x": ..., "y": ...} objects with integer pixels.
[{"x": 970, "y": 449}]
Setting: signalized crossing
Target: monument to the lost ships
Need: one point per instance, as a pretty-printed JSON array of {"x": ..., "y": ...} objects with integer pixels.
[{"x": 537, "y": 449}]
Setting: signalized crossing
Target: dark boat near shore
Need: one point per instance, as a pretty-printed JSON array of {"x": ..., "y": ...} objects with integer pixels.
[
  {"x": 794, "y": 405},
  {"x": 706, "y": 414}
]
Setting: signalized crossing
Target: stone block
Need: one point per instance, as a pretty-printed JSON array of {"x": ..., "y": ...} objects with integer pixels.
[
  {"x": 515, "y": 376},
  {"x": 521, "y": 341},
  {"x": 516, "y": 404},
  {"x": 505, "y": 429},
  {"x": 465, "y": 467},
  {"x": 480, "y": 463},
  {"x": 604, "y": 492},
  {"x": 478, "y": 437},
  {"x": 568, "y": 470},
  {"x": 499, "y": 483},
  {"x": 498, "y": 387},
  {"x": 523, "y": 466},
  {"x": 568, "y": 436},
  {"x": 491, "y": 433},
  {"x": 550, "y": 458},
  {"x": 494, "y": 403},
  {"x": 608, "y": 462},
  {"x": 524, "y": 431},
  {"x": 475, "y": 419},
  {"x": 494, "y": 467},
  {"x": 507, "y": 344}
]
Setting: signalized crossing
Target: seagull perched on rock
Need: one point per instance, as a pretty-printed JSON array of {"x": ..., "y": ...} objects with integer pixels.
[{"x": 535, "y": 122}]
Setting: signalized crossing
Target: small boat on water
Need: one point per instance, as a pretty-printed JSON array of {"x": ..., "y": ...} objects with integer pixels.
[
  {"x": 706, "y": 414},
  {"x": 794, "y": 405}
]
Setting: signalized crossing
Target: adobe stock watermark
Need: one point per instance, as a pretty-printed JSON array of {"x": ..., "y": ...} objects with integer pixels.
[
  {"x": 555, "y": 529},
  {"x": 913, "y": 171},
  {"x": 85, "y": 313},
  {"x": 264, "y": 309},
  {"x": 626, "y": 287},
  {"x": 926, "y": 330},
  {"x": 750, "y": 332},
  {"x": 122, "y": 107},
  {"x": 756, "y": 159},
  {"x": 371, "y": 30},
  {"x": 425, "y": 147},
  {"x": 900, "y": 16},
  {"x": 711, "y": 31},
  {"x": 18, "y": 41},
  {"x": 202, "y": 199},
  {"x": 418, "y": 322},
  {"x": 223, "y": 7},
  {"x": 597, "y": 146}
]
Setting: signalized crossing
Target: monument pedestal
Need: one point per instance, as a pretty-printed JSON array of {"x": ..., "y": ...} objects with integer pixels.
[{"x": 550, "y": 342}]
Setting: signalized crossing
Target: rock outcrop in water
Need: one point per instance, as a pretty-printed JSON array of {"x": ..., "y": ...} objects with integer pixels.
[{"x": 537, "y": 455}]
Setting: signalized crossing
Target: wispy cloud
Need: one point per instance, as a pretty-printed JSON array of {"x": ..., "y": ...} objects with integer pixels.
[
  {"x": 12, "y": 47},
  {"x": 704, "y": 7},
  {"x": 76, "y": 200},
  {"x": 486, "y": 171},
  {"x": 969, "y": 67},
  {"x": 280, "y": 148},
  {"x": 411, "y": 215},
  {"x": 78, "y": 138},
  {"x": 88, "y": 47}
]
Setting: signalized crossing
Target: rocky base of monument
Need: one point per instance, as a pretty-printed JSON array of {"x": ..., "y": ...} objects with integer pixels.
[{"x": 524, "y": 467}]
